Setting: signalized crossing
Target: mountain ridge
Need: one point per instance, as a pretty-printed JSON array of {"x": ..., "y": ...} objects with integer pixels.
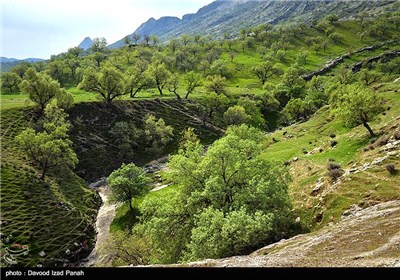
[{"x": 230, "y": 17}]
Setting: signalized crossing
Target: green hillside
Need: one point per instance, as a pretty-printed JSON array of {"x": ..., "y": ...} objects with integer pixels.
[{"x": 115, "y": 91}]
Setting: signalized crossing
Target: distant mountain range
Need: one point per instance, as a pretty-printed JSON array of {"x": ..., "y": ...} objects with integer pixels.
[
  {"x": 11, "y": 60},
  {"x": 223, "y": 16},
  {"x": 7, "y": 63}
]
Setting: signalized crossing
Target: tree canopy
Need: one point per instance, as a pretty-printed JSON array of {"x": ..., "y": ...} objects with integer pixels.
[
  {"x": 128, "y": 182},
  {"x": 50, "y": 147},
  {"x": 357, "y": 104},
  {"x": 40, "y": 88},
  {"x": 230, "y": 200},
  {"x": 108, "y": 82}
]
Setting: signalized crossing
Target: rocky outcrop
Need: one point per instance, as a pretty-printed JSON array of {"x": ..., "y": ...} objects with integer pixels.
[
  {"x": 364, "y": 237},
  {"x": 337, "y": 60}
]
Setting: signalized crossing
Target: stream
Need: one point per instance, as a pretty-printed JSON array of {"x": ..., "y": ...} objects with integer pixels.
[{"x": 101, "y": 256}]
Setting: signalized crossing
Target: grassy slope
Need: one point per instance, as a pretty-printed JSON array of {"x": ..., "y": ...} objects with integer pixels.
[
  {"x": 305, "y": 140},
  {"x": 96, "y": 147},
  {"x": 48, "y": 215}
]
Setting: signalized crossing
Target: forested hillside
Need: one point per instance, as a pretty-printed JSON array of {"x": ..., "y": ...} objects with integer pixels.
[{"x": 274, "y": 132}]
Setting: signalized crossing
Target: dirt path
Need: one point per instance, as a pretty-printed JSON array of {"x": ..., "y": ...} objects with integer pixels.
[{"x": 100, "y": 255}]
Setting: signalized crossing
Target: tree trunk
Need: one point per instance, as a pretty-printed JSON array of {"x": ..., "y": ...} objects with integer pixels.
[
  {"x": 44, "y": 171},
  {"x": 159, "y": 90},
  {"x": 366, "y": 125}
]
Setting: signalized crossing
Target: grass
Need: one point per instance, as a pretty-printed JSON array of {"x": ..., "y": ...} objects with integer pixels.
[
  {"x": 125, "y": 218},
  {"x": 49, "y": 215},
  {"x": 364, "y": 188}
]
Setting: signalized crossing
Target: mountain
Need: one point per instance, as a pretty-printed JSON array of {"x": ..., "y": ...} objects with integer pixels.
[
  {"x": 86, "y": 43},
  {"x": 7, "y": 60},
  {"x": 8, "y": 63},
  {"x": 222, "y": 16},
  {"x": 11, "y": 60}
]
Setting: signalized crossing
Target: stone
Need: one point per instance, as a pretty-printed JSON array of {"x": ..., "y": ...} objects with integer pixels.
[
  {"x": 317, "y": 187},
  {"x": 98, "y": 184},
  {"x": 42, "y": 254}
]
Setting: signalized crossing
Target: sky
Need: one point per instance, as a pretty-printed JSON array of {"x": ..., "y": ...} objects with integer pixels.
[{"x": 41, "y": 28}]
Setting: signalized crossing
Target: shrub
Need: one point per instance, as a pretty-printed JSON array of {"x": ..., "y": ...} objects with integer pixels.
[
  {"x": 335, "y": 174},
  {"x": 332, "y": 166},
  {"x": 391, "y": 168}
]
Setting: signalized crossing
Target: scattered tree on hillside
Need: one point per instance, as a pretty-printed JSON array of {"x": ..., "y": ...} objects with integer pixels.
[
  {"x": 252, "y": 109},
  {"x": 265, "y": 71},
  {"x": 137, "y": 78},
  {"x": 128, "y": 182},
  {"x": 295, "y": 110},
  {"x": 159, "y": 75},
  {"x": 213, "y": 101},
  {"x": 173, "y": 85},
  {"x": 10, "y": 82},
  {"x": 192, "y": 80},
  {"x": 357, "y": 104},
  {"x": 216, "y": 83},
  {"x": 73, "y": 64},
  {"x": 135, "y": 38},
  {"x": 40, "y": 88},
  {"x": 236, "y": 115},
  {"x": 156, "y": 134},
  {"x": 126, "y": 137},
  {"x": 51, "y": 147},
  {"x": 108, "y": 82},
  {"x": 154, "y": 40},
  {"x": 99, "y": 45}
]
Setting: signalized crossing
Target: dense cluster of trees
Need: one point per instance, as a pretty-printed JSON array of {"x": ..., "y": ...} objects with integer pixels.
[{"x": 229, "y": 201}]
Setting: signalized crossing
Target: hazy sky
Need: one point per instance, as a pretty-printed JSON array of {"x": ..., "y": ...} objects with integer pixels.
[{"x": 40, "y": 28}]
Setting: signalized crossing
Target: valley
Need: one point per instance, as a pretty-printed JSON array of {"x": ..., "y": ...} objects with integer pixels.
[{"x": 280, "y": 137}]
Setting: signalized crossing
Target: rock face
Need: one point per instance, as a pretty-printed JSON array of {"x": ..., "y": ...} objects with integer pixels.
[
  {"x": 363, "y": 237},
  {"x": 230, "y": 17}
]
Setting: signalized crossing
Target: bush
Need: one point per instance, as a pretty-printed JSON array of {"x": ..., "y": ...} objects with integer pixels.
[
  {"x": 333, "y": 166},
  {"x": 391, "y": 168},
  {"x": 335, "y": 174},
  {"x": 334, "y": 171}
]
